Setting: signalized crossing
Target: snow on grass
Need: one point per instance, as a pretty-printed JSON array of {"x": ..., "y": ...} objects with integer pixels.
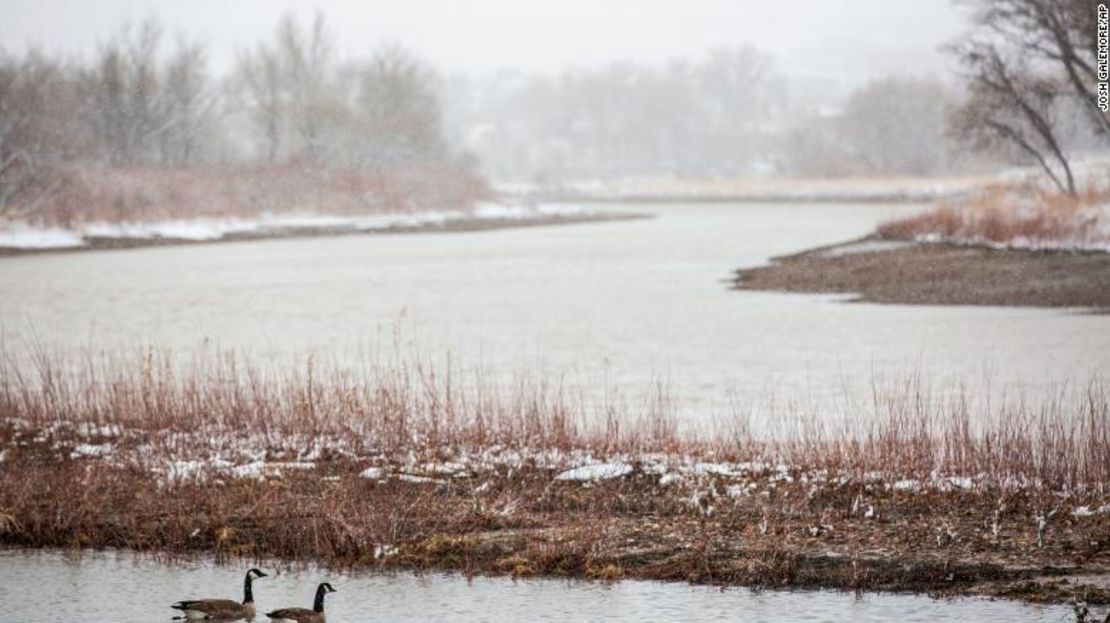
[
  {"x": 1087, "y": 511},
  {"x": 906, "y": 485},
  {"x": 595, "y": 472},
  {"x": 22, "y": 236},
  {"x": 91, "y": 450},
  {"x": 220, "y": 455},
  {"x": 420, "y": 480},
  {"x": 372, "y": 473},
  {"x": 1021, "y": 243},
  {"x": 669, "y": 479}
]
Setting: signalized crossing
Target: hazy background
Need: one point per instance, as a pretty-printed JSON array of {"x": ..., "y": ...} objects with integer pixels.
[
  {"x": 549, "y": 98},
  {"x": 845, "y": 41}
]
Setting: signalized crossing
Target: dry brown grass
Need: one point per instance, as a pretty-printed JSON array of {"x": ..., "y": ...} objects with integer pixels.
[
  {"x": 865, "y": 503},
  {"x": 1007, "y": 216},
  {"x": 406, "y": 408},
  {"x": 82, "y": 194}
]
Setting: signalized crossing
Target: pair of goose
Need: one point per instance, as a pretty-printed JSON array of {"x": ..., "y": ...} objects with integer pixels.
[{"x": 230, "y": 610}]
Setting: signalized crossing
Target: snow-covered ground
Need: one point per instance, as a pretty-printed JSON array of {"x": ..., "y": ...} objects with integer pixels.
[
  {"x": 23, "y": 236},
  {"x": 1100, "y": 244},
  {"x": 215, "y": 455}
]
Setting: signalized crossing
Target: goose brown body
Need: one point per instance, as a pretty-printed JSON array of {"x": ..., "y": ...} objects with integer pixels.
[
  {"x": 222, "y": 609},
  {"x": 304, "y": 615}
]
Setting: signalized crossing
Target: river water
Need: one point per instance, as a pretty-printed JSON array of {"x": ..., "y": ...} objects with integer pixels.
[
  {"x": 612, "y": 308},
  {"x": 52, "y": 587}
]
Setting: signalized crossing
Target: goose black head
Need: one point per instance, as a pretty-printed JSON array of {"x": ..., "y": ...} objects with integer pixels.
[
  {"x": 322, "y": 590},
  {"x": 248, "y": 594}
]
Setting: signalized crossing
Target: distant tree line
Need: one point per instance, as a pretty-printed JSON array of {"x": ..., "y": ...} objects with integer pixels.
[
  {"x": 729, "y": 113},
  {"x": 139, "y": 102},
  {"x": 1026, "y": 96}
]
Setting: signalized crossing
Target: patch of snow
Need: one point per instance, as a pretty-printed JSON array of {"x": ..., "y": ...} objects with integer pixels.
[
  {"x": 448, "y": 468},
  {"x": 595, "y": 472},
  {"x": 957, "y": 482},
  {"x": 420, "y": 480},
  {"x": 372, "y": 473},
  {"x": 184, "y": 471},
  {"x": 718, "y": 469},
  {"x": 300, "y": 465},
  {"x": 669, "y": 479},
  {"x": 23, "y": 237},
  {"x": 256, "y": 470},
  {"x": 736, "y": 491},
  {"x": 91, "y": 450},
  {"x": 1087, "y": 511},
  {"x": 384, "y": 551},
  {"x": 85, "y": 429},
  {"x": 906, "y": 485}
]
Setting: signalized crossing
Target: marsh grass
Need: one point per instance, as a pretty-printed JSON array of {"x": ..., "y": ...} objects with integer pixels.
[
  {"x": 136, "y": 194},
  {"x": 468, "y": 476},
  {"x": 1012, "y": 216},
  {"x": 1061, "y": 440}
]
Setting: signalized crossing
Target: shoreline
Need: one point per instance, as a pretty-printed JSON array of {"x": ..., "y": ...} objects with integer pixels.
[
  {"x": 772, "y": 198},
  {"x": 450, "y": 225},
  {"x": 874, "y": 270}
]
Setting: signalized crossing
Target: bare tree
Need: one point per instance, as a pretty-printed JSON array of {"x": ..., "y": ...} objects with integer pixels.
[
  {"x": 185, "y": 104},
  {"x": 1010, "y": 103},
  {"x": 125, "y": 107},
  {"x": 1062, "y": 33},
  {"x": 308, "y": 64},
  {"x": 397, "y": 110},
  {"x": 896, "y": 125},
  {"x": 1028, "y": 61},
  {"x": 36, "y": 101},
  {"x": 258, "y": 88},
  {"x": 288, "y": 88}
]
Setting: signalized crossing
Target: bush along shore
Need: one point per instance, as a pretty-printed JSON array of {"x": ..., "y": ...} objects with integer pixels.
[{"x": 404, "y": 467}]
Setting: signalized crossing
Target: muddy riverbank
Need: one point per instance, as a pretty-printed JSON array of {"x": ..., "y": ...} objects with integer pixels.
[{"x": 877, "y": 271}]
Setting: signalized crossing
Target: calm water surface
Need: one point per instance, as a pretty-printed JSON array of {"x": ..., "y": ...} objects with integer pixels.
[
  {"x": 114, "y": 587},
  {"x": 608, "y": 307}
]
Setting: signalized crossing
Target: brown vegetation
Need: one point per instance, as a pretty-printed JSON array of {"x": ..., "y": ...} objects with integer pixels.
[
  {"x": 408, "y": 467},
  {"x": 1012, "y": 216},
  {"x": 84, "y": 194}
]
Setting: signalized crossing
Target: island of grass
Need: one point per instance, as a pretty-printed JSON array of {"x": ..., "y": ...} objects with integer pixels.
[
  {"x": 994, "y": 251},
  {"x": 395, "y": 470}
]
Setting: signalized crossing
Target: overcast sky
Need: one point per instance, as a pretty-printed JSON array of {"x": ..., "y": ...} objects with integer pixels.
[{"x": 807, "y": 37}]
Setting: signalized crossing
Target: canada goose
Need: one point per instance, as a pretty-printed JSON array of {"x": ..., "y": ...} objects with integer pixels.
[
  {"x": 304, "y": 615},
  {"x": 222, "y": 609}
]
